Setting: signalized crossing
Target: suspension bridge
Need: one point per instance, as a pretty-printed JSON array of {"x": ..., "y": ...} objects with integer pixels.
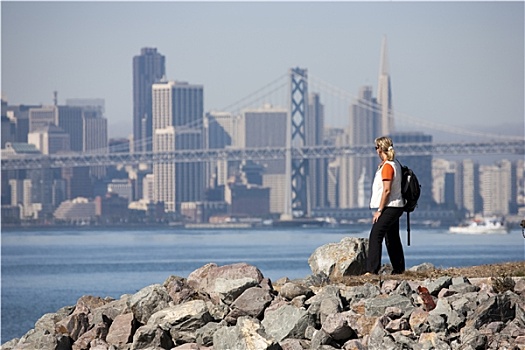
[{"x": 290, "y": 92}]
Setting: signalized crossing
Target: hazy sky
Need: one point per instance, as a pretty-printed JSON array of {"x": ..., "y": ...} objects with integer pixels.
[{"x": 454, "y": 63}]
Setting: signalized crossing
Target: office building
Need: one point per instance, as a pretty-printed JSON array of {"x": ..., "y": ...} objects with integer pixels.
[
  {"x": 266, "y": 127},
  {"x": 222, "y": 130},
  {"x": 49, "y": 139},
  {"x": 148, "y": 68},
  {"x": 317, "y": 187},
  {"x": 356, "y": 173},
  {"x": 40, "y": 117},
  {"x": 178, "y": 111}
]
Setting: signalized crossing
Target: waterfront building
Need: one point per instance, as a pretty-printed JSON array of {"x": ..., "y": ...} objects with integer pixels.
[
  {"x": 79, "y": 211},
  {"x": 177, "y": 124},
  {"x": 498, "y": 188},
  {"x": 148, "y": 68},
  {"x": 122, "y": 188}
]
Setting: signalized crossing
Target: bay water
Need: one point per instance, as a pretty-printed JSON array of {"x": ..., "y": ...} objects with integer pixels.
[{"x": 46, "y": 269}]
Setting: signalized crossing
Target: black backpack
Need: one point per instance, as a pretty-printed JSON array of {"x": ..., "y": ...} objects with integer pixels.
[{"x": 410, "y": 190}]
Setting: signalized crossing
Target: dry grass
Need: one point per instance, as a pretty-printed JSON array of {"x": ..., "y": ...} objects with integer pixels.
[{"x": 509, "y": 269}]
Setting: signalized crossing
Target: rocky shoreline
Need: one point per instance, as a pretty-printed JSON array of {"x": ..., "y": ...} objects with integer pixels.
[{"x": 235, "y": 307}]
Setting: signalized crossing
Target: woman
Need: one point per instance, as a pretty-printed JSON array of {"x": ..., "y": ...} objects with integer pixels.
[{"x": 388, "y": 202}]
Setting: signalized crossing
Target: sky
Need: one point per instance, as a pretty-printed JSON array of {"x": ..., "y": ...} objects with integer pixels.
[{"x": 459, "y": 64}]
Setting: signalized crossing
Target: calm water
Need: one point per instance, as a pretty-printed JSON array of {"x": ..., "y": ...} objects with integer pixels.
[{"x": 44, "y": 270}]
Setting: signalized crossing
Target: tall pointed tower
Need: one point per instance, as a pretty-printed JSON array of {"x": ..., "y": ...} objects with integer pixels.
[{"x": 384, "y": 93}]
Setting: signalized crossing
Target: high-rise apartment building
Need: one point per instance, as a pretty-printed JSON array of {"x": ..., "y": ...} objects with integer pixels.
[
  {"x": 498, "y": 188},
  {"x": 178, "y": 111},
  {"x": 468, "y": 195},
  {"x": 148, "y": 68}
]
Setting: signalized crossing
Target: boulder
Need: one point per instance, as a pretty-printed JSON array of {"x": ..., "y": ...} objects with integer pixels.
[
  {"x": 182, "y": 320},
  {"x": 225, "y": 283},
  {"x": 247, "y": 334},
  {"x": 286, "y": 322},
  {"x": 252, "y": 302},
  {"x": 335, "y": 260},
  {"x": 151, "y": 337},
  {"x": 122, "y": 330},
  {"x": 147, "y": 301}
]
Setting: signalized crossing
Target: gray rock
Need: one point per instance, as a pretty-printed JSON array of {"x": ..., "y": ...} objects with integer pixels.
[
  {"x": 378, "y": 305},
  {"x": 335, "y": 260},
  {"x": 225, "y": 283},
  {"x": 462, "y": 288},
  {"x": 252, "y": 302},
  {"x": 286, "y": 322},
  {"x": 247, "y": 334},
  {"x": 354, "y": 344},
  {"x": 404, "y": 289},
  {"x": 321, "y": 338},
  {"x": 291, "y": 290},
  {"x": 110, "y": 310},
  {"x": 454, "y": 320},
  {"x": 204, "y": 335},
  {"x": 337, "y": 327},
  {"x": 418, "y": 321},
  {"x": 496, "y": 308},
  {"x": 380, "y": 339},
  {"x": 422, "y": 267},
  {"x": 147, "y": 301},
  {"x": 74, "y": 325},
  {"x": 182, "y": 320},
  {"x": 151, "y": 337},
  {"x": 122, "y": 329},
  {"x": 365, "y": 291},
  {"x": 435, "y": 286},
  {"x": 397, "y": 325},
  {"x": 473, "y": 337},
  {"x": 436, "y": 322},
  {"x": 291, "y": 344}
]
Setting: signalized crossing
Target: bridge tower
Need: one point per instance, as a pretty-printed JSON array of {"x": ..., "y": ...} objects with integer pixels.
[{"x": 296, "y": 169}]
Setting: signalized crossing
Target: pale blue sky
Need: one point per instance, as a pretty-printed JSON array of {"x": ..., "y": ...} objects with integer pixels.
[{"x": 455, "y": 63}]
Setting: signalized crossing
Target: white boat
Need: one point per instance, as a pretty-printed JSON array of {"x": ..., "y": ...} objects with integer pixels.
[{"x": 487, "y": 225}]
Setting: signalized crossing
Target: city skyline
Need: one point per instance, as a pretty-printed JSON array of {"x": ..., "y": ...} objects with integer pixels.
[{"x": 467, "y": 72}]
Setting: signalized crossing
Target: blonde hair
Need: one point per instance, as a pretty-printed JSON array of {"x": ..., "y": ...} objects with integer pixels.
[{"x": 387, "y": 147}]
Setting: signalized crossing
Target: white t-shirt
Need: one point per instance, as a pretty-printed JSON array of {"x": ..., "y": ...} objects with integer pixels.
[{"x": 395, "y": 199}]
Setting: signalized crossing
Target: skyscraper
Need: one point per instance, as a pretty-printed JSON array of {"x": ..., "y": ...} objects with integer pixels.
[
  {"x": 148, "y": 68},
  {"x": 266, "y": 127},
  {"x": 178, "y": 111},
  {"x": 384, "y": 94},
  {"x": 356, "y": 173}
]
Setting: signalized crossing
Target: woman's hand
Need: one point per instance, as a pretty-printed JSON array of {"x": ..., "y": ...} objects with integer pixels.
[{"x": 376, "y": 216}]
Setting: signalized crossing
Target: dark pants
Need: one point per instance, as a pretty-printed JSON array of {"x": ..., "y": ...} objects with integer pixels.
[{"x": 386, "y": 227}]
